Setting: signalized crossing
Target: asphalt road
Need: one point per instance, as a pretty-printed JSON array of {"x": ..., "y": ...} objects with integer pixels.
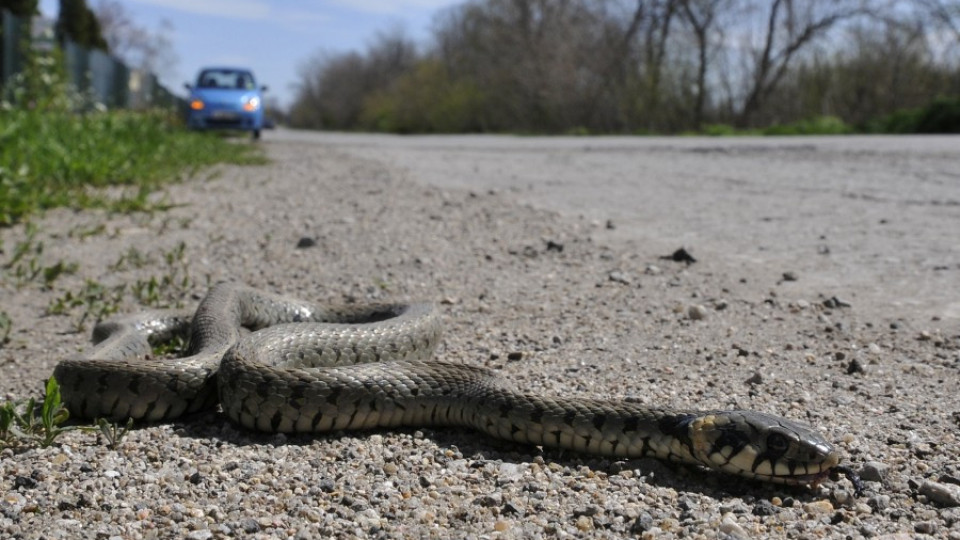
[{"x": 871, "y": 220}]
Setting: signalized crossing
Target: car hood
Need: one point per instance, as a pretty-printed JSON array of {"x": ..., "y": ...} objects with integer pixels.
[{"x": 223, "y": 95}]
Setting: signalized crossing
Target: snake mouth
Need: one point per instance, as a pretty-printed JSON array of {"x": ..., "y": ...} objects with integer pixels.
[{"x": 814, "y": 480}]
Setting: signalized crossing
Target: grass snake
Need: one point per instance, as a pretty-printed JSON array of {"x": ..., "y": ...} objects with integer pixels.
[{"x": 310, "y": 368}]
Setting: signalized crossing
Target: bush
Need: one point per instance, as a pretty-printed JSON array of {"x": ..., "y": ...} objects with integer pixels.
[
  {"x": 940, "y": 116},
  {"x": 426, "y": 100},
  {"x": 818, "y": 125}
]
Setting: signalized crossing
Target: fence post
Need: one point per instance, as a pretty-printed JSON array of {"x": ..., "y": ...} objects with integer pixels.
[
  {"x": 77, "y": 63},
  {"x": 13, "y": 33}
]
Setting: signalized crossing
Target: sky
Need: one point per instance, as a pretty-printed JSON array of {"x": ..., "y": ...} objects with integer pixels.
[{"x": 271, "y": 37}]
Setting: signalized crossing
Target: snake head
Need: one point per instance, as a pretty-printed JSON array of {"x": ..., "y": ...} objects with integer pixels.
[{"x": 762, "y": 446}]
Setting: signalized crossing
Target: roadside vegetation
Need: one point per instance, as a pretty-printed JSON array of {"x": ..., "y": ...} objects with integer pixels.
[
  {"x": 719, "y": 67},
  {"x": 59, "y": 149}
]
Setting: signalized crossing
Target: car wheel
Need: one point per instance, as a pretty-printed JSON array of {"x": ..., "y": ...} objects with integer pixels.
[{"x": 256, "y": 134}]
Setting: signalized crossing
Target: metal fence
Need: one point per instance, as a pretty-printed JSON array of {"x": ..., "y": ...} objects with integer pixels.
[{"x": 106, "y": 79}]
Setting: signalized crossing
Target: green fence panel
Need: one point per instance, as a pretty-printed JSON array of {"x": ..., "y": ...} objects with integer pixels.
[{"x": 13, "y": 33}]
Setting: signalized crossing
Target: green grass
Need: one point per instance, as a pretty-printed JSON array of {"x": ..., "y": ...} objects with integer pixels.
[{"x": 52, "y": 158}]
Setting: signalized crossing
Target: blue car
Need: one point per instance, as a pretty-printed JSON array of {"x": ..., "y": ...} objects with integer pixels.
[{"x": 226, "y": 98}]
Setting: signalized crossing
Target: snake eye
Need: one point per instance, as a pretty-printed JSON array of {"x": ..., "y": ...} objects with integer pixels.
[{"x": 777, "y": 443}]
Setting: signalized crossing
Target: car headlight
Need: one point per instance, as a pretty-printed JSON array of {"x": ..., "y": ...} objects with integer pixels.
[
  {"x": 197, "y": 104},
  {"x": 251, "y": 104}
]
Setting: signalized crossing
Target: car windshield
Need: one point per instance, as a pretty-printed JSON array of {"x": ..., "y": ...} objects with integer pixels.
[{"x": 225, "y": 78}]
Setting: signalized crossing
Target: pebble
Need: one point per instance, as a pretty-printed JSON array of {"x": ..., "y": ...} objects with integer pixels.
[
  {"x": 874, "y": 471},
  {"x": 818, "y": 507},
  {"x": 729, "y": 525},
  {"x": 619, "y": 277},
  {"x": 942, "y": 494},
  {"x": 306, "y": 242},
  {"x": 697, "y": 312}
]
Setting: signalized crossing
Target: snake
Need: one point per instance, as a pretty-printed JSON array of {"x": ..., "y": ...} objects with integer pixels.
[{"x": 282, "y": 365}]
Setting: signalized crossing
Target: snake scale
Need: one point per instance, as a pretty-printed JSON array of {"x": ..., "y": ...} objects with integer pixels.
[{"x": 309, "y": 368}]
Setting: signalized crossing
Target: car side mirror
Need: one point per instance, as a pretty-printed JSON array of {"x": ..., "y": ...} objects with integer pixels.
[{"x": 263, "y": 88}]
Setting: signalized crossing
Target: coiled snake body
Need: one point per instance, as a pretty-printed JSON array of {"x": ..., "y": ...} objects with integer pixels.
[{"x": 308, "y": 368}]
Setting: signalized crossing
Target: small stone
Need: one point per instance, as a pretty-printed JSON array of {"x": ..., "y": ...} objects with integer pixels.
[
  {"x": 489, "y": 501},
  {"x": 327, "y": 485},
  {"x": 643, "y": 523},
  {"x": 501, "y": 526},
  {"x": 880, "y": 502},
  {"x": 509, "y": 472},
  {"x": 554, "y": 246},
  {"x": 729, "y": 526},
  {"x": 24, "y": 482},
  {"x": 874, "y": 471},
  {"x": 306, "y": 242},
  {"x": 390, "y": 468},
  {"x": 855, "y": 367},
  {"x": 697, "y": 312},
  {"x": 720, "y": 305},
  {"x": 680, "y": 255},
  {"x": 619, "y": 277},
  {"x": 610, "y": 225},
  {"x": 818, "y": 507},
  {"x": 652, "y": 270},
  {"x": 942, "y": 494},
  {"x": 789, "y": 276},
  {"x": 515, "y": 356},
  {"x": 925, "y": 527},
  {"x": 584, "y": 523},
  {"x": 589, "y": 511},
  {"x": 201, "y": 534},
  {"x": 754, "y": 379},
  {"x": 833, "y": 302},
  {"x": 764, "y": 508}
]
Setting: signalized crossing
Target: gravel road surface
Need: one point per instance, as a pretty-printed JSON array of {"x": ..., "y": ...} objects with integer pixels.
[{"x": 825, "y": 289}]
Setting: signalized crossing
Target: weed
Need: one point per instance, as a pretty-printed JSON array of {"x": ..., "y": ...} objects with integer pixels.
[
  {"x": 51, "y": 273},
  {"x": 25, "y": 266},
  {"x": 20, "y": 422},
  {"x": 112, "y": 433},
  {"x": 6, "y": 325},
  {"x": 132, "y": 258},
  {"x": 174, "y": 347},
  {"x": 169, "y": 289},
  {"x": 82, "y": 233},
  {"x": 98, "y": 301}
]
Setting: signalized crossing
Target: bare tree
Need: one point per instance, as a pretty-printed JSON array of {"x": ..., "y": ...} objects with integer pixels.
[
  {"x": 701, "y": 16},
  {"x": 333, "y": 87},
  {"x": 789, "y": 27},
  {"x": 944, "y": 12},
  {"x": 137, "y": 46}
]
